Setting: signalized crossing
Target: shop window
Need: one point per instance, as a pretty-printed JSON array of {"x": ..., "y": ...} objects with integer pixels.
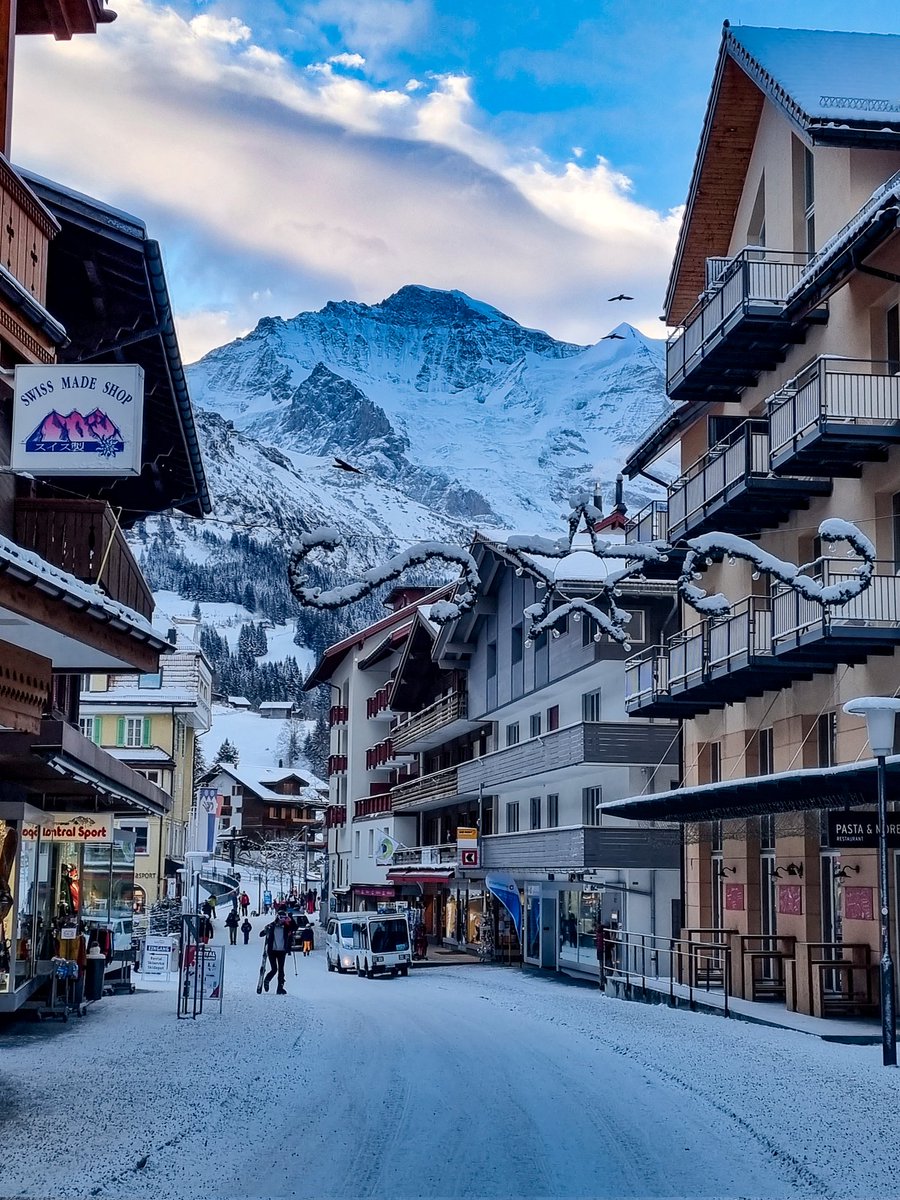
[
  {"x": 512, "y": 734},
  {"x": 553, "y": 718},
  {"x": 590, "y": 706},
  {"x": 590, "y": 805},
  {"x": 535, "y": 803},
  {"x": 552, "y": 810},
  {"x": 512, "y": 816},
  {"x": 534, "y": 725}
]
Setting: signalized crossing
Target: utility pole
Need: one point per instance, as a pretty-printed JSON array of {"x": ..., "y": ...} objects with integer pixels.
[{"x": 232, "y": 845}]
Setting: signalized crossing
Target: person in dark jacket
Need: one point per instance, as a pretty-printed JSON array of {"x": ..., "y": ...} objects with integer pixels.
[
  {"x": 246, "y": 930},
  {"x": 279, "y": 935},
  {"x": 231, "y": 924},
  {"x": 306, "y": 936}
]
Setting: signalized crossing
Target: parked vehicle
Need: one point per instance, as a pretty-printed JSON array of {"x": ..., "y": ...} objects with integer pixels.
[{"x": 372, "y": 943}]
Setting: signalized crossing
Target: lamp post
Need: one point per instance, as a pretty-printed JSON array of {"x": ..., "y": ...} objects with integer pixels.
[{"x": 881, "y": 713}]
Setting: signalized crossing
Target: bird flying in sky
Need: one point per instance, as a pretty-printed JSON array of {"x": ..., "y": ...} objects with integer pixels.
[
  {"x": 345, "y": 466},
  {"x": 607, "y": 336},
  {"x": 621, "y": 296}
]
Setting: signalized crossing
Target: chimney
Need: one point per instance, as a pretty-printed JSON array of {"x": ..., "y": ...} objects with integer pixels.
[
  {"x": 620, "y": 505},
  {"x": 598, "y": 496},
  {"x": 172, "y": 636}
]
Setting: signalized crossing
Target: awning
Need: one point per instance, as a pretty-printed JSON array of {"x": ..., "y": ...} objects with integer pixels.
[
  {"x": 846, "y": 786},
  {"x": 420, "y": 875},
  {"x": 69, "y": 771}
]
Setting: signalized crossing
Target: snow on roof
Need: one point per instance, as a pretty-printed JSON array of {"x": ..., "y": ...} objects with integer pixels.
[
  {"x": 148, "y": 697},
  {"x": 142, "y": 754},
  {"x": 241, "y": 700},
  {"x": 829, "y": 76},
  {"x": 32, "y": 569},
  {"x": 252, "y": 777},
  {"x": 277, "y": 704}
]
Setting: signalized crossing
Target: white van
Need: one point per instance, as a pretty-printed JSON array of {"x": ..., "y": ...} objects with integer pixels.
[{"x": 372, "y": 943}]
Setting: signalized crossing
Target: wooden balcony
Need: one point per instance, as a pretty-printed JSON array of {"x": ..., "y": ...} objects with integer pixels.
[
  {"x": 446, "y": 718},
  {"x": 372, "y": 806},
  {"x": 378, "y": 706},
  {"x": 83, "y": 538},
  {"x": 426, "y": 791},
  {"x": 803, "y": 631},
  {"x": 732, "y": 488},
  {"x": 834, "y": 416},
  {"x": 337, "y": 764},
  {"x": 737, "y": 328},
  {"x": 26, "y": 228},
  {"x": 338, "y": 714}
]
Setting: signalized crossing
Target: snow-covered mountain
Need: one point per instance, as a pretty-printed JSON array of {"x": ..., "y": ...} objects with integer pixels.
[{"x": 452, "y": 409}]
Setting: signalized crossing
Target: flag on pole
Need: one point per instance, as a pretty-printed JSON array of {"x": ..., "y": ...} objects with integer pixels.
[
  {"x": 386, "y": 848},
  {"x": 209, "y": 806},
  {"x": 505, "y": 888}
]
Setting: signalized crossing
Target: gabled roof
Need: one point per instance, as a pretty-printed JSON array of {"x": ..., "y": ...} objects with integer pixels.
[
  {"x": 334, "y": 655},
  {"x": 837, "y": 89}
]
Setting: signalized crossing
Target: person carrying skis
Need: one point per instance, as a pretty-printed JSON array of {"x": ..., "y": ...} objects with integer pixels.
[
  {"x": 279, "y": 935},
  {"x": 246, "y": 930},
  {"x": 231, "y": 924}
]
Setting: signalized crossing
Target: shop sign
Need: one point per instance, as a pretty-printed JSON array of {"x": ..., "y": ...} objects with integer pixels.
[
  {"x": 212, "y": 972},
  {"x": 159, "y": 956},
  {"x": 71, "y": 827},
  {"x": 467, "y": 846},
  {"x": 378, "y": 893},
  {"x": 78, "y": 419},
  {"x": 858, "y": 830}
]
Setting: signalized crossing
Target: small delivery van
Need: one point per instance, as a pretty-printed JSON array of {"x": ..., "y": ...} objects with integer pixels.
[{"x": 371, "y": 943}]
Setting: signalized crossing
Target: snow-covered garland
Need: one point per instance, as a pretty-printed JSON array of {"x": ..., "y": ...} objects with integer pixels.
[
  {"x": 599, "y": 605},
  {"x": 702, "y": 550},
  {"x": 328, "y": 538}
]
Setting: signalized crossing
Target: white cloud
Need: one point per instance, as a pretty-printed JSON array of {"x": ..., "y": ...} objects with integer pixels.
[
  {"x": 353, "y": 61},
  {"x": 230, "y": 30},
  {"x": 327, "y": 186}
]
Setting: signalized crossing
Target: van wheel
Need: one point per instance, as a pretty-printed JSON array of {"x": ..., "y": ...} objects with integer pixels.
[
  {"x": 338, "y": 967},
  {"x": 359, "y": 970},
  {"x": 329, "y": 963},
  {"x": 370, "y": 972},
  {"x": 404, "y": 971}
]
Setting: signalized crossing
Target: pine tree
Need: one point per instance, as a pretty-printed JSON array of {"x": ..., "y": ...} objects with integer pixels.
[
  {"x": 228, "y": 753},
  {"x": 195, "y": 611}
]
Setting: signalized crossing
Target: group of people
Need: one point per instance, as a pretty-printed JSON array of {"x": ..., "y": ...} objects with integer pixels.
[
  {"x": 280, "y": 936},
  {"x": 231, "y": 924}
]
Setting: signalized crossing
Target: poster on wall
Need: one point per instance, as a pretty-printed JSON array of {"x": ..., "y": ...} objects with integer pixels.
[{"x": 81, "y": 419}]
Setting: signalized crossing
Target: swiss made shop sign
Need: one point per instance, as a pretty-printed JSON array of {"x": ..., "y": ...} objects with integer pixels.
[{"x": 78, "y": 420}]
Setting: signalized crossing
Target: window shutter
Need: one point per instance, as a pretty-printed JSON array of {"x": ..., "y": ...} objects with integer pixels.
[
  {"x": 95, "y": 731},
  {"x": 145, "y": 732},
  {"x": 120, "y": 731}
]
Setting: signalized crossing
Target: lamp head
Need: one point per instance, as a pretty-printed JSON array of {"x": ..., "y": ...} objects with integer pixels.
[{"x": 880, "y": 713}]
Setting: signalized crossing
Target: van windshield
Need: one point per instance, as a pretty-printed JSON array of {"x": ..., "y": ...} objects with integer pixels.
[
  {"x": 347, "y": 929},
  {"x": 388, "y": 935}
]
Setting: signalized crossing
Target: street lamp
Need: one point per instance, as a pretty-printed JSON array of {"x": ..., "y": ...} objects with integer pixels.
[{"x": 881, "y": 713}]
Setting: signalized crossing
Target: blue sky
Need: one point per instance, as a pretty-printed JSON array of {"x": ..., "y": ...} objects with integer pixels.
[{"x": 287, "y": 153}]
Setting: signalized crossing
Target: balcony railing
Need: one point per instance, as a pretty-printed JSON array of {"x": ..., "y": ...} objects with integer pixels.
[
  {"x": 647, "y": 691},
  {"x": 371, "y": 806},
  {"x": 378, "y": 705},
  {"x": 867, "y": 624},
  {"x": 651, "y": 524},
  {"x": 338, "y": 714},
  {"x": 337, "y": 764},
  {"x": 83, "y": 538},
  {"x": 835, "y": 415},
  {"x": 419, "y": 730},
  {"x": 731, "y": 488},
  {"x": 425, "y": 856},
  {"x": 437, "y": 786},
  {"x": 335, "y": 815},
  {"x": 732, "y": 332}
]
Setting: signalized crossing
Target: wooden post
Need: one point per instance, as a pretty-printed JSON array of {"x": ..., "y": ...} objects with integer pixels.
[{"x": 7, "y": 58}]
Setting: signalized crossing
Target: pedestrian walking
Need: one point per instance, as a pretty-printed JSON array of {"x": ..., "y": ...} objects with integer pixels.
[
  {"x": 246, "y": 930},
  {"x": 231, "y": 924},
  {"x": 245, "y": 904},
  {"x": 212, "y": 904},
  {"x": 279, "y": 935},
  {"x": 306, "y": 935}
]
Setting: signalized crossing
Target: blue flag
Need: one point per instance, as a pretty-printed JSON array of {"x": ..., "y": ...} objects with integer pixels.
[{"x": 505, "y": 888}]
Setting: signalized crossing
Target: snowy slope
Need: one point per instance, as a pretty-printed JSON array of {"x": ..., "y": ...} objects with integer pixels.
[{"x": 259, "y": 740}]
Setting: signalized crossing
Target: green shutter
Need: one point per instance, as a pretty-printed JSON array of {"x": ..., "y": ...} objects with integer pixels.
[
  {"x": 95, "y": 730},
  {"x": 145, "y": 733},
  {"x": 120, "y": 731}
]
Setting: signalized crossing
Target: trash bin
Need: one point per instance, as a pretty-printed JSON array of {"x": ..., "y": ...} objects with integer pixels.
[{"x": 93, "y": 977}]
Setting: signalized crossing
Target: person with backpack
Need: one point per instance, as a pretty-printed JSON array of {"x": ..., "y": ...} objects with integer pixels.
[
  {"x": 279, "y": 935},
  {"x": 245, "y": 904},
  {"x": 246, "y": 930},
  {"x": 231, "y": 924}
]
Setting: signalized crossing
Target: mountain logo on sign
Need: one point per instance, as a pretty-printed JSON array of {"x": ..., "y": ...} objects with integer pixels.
[{"x": 93, "y": 434}]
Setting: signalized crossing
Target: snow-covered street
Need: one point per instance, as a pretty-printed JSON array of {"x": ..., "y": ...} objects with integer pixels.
[{"x": 457, "y": 1082}]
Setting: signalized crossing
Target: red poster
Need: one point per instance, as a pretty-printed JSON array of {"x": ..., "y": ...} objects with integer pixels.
[
  {"x": 859, "y": 903},
  {"x": 734, "y": 897},
  {"x": 790, "y": 899}
]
